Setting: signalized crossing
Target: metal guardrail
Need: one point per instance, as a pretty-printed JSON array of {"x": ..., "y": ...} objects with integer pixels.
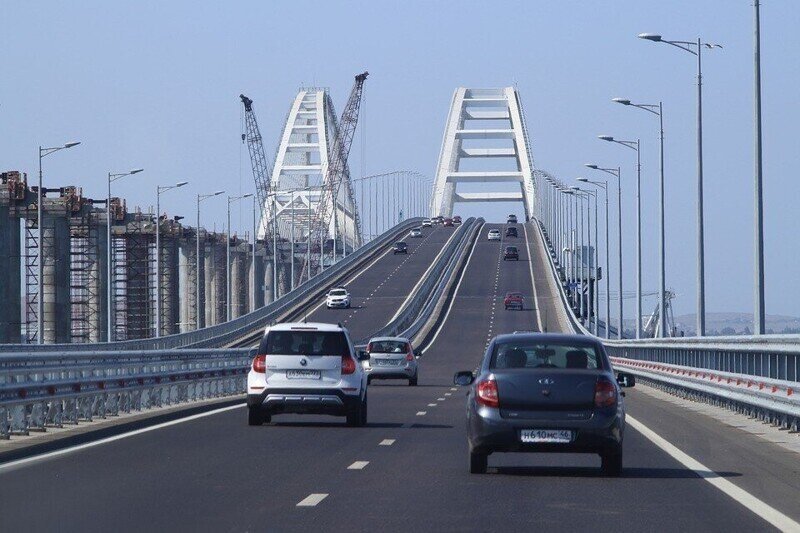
[
  {"x": 755, "y": 375},
  {"x": 225, "y": 333},
  {"x": 58, "y": 389},
  {"x": 416, "y": 312}
]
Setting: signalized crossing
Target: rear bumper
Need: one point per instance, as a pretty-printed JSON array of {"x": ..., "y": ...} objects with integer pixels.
[
  {"x": 488, "y": 432},
  {"x": 311, "y": 401},
  {"x": 338, "y": 304},
  {"x": 390, "y": 372}
]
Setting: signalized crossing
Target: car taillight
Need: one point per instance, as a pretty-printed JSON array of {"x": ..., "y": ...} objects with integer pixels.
[
  {"x": 605, "y": 393},
  {"x": 369, "y": 348},
  {"x": 348, "y": 365},
  {"x": 410, "y": 356},
  {"x": 260, "y": 364},
  {"x": 487, "y": 393}
]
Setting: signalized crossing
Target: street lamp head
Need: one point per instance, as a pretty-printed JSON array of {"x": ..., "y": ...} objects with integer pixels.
[
  {"x": 248, "y": 195},
  {"x": 605, "y": 138},
  {"x": 650, "y": 37},
  {"x": 583, "y": 180},
  {"x": 181, "y": 183},
  {"x": 623, "y": 101},
  {"x": 136, "y": 171},
  {"x": 589, "y": 165},
  {"x": 71, "y": 144},
  {"x": 218, "y": 193}
]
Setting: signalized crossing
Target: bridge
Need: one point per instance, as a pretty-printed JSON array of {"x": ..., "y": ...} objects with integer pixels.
[{"x": 150, "y": 432}]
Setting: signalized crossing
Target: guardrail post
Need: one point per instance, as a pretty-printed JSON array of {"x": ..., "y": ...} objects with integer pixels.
[
  {"x": 19, "y": 420},
  {"x": 5, "y": 426}
]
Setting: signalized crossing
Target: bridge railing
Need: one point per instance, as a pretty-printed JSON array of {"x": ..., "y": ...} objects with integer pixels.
[
  {"x": 57, "y": 389},
  {"x": 755, "y": 375}
]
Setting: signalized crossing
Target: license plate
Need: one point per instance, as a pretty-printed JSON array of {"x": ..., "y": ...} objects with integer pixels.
[
  {"x": 303, "y": 374},
  {"x": 546, "y": 435},
  {"x": 387, "y": 362}
]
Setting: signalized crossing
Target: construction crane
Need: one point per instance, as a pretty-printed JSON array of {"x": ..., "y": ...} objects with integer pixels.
[
  {"x": 653, "y": 321},
  {"x": 337, "y": 171},
  {"x": 258, "y": 160}
]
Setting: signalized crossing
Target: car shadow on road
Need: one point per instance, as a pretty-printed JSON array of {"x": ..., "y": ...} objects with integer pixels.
[
  {"x": 334, "y": 424},
  {"x": 430, "y": 426},
  {"x": 627, "y": 473}
]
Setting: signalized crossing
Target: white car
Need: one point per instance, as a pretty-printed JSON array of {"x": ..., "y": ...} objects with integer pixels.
[
  {"x": 416, "y": 232},
  {"x": 392, "y": 358},
  {"x": 338, "y": 298},
  {"x": 307, "y": 368},
  {"x": 427, "y": 223},
  {"x": 493, "y": 235}
]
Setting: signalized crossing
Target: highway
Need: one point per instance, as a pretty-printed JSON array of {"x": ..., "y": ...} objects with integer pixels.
[{"x": 408, "y": 468}]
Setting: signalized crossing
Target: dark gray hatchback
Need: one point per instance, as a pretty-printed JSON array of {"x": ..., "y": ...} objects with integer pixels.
[{"x": 540, "y": 392}]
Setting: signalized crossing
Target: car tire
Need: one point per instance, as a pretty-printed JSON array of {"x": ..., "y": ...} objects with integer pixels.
[
  {"x": 478, "y": 463},
  {"x": 412, "y": 382},
  {"x": 611, "y": 463},
  {"x": 358, "y": 416},
  {"x": 257, "y": 417}
]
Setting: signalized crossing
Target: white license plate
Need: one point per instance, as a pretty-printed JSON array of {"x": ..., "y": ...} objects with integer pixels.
[
  {"x": 303, "y": 374},
  {"x": 387, "y": 362},
  {"x": 546, "y": 435}
]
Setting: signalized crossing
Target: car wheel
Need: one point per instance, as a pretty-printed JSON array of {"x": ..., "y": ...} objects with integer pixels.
[
  {"x": 611, "y": 463},
  {"x": 478, "y": 463},
  {"x": 358, "y": 416},
  {"x": 257, "y": 416},
  {"x": 413, "y": 381}
]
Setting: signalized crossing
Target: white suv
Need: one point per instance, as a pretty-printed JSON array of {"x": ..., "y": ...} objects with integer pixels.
[
  {"x": 338, "y": 297},
  {"x": 493, "y": 235},
  {"x": 307, "y": 368}
]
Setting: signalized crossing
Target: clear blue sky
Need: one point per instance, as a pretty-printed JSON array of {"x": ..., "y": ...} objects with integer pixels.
[{"x": 155, "y": 84}]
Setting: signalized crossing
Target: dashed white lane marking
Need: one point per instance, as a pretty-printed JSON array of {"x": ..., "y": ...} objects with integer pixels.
[
  {"x": 448, "y": 393},
  {"x": 311, "y": 500},
  {"x": 453, "y": 388},
  {"x": 747, "y": 500},
  {"x": 5, "y": 467},
  {"x": 431, "y": 405},
  {"x": 386, "y": 442},
  {"x": 440, "y": 399},
  {"x": 421, "y": 413},
  {"x": 358, "y": 465}
]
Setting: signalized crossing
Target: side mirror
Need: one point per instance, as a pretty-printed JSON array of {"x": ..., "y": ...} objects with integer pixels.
[
  {"x": 462, "y": 379},
  {"x": 418, "y": 353},
  {"x": 362, "y": 355},
  {"x": 626, "y": 380}
]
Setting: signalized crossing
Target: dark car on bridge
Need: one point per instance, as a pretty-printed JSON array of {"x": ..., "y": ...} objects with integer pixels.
[
  {"x": 447, "y": 222},
  {"x": 400, "y": 248},
  {"x": 544, "y": 392},
  {"x": 511, "y": 253},
  {"x": 511, "y": 231}
]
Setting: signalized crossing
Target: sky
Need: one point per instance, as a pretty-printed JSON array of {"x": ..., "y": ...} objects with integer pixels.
[{"x": 155, "y": 85}]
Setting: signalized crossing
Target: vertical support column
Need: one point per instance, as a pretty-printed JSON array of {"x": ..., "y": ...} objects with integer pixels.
[
  {"x": 257, "y": 277},
  {"x": 10, "y": 284},
  {"x": 190, "y": 279},
  {"x": 239, "y": 281},
  {"x": 170, "y": 296},
  {"x": 137, "y": 273},
  {"x": 219, "y": 303},
  {"x": 55, "y": 278},
  {"x": 269, "y": 273},
  {"x": 208, "y": 297},
  {"x": 98, "y": 281}
]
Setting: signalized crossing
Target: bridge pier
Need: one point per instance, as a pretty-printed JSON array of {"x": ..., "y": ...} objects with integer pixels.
[
  {"x": 56, "y": 309},
  {"x": 10, "y": 256}
]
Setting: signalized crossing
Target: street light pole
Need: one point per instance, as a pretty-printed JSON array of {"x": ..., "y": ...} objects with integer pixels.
[
  {"x": 159, "y": 190},
  {"x": 759, "y": 322},
  {"x": 109, "y": 255},
  {"x": 198, "y": 307},
  {"x": 695, "y": 48},
  {"x": 635, "y": 145},
  {"x": 603, "y": 185},
  {"x": 43, "y": 152},
  {"x": 231, "y": 199},
  {"x": 617, "y": 173}
]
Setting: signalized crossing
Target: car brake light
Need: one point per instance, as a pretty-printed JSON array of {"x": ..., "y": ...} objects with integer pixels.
[
  {"x": 487, "y": 393},
  {"x": 410, "y": 356},
  {"x": 605, "y": 393},
  {"x": 348, "y": 365},
  {"x": 260, "y": 364},
  {"x": 369, "y": 348}
]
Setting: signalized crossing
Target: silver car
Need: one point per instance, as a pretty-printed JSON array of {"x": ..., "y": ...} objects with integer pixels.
[{"x": 392, "y": 358}]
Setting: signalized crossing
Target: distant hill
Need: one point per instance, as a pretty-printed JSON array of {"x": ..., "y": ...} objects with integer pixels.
[{"x": 732, "y": 324}]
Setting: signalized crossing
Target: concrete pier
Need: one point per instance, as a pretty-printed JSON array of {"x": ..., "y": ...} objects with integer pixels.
[
  {"x": 189, "y": 279},
  {"x": 139, "y": 312},
  {"x": 240, "y": 284},
  {"x": 55, "y": 260},
  {"x": 10, "y": 256},
  {"x": 170, "y": 290}
]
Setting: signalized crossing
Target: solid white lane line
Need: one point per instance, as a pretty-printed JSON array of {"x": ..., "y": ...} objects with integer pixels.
[
  {"x": 455, "y": 293},
  {"x": 542, "y": 327},
  {"x": 422, "y": 278},
  {"x": 358, "y": 465},
  {"x": 386, "y": 442},
  {"x": 13, "y": 465},
  {"x": 311, "y": 500},
  {"x": 747, "y": 500},
  {"x": 421, "y": 413}
]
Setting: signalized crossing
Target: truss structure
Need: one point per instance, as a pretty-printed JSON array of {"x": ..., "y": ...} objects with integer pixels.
[
  {"x": 299, "y": 174},
  {"x": 485, "y": 145}
]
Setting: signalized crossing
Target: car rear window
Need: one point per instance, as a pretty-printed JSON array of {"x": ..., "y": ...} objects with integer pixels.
[
  {"x": 304, "y": 343},
  {"x": 511, "y": 249},
  {"x": 338, "y": 292},
  {"x": 388, "y": 347},
  {"x": 533, "y": 354}
]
